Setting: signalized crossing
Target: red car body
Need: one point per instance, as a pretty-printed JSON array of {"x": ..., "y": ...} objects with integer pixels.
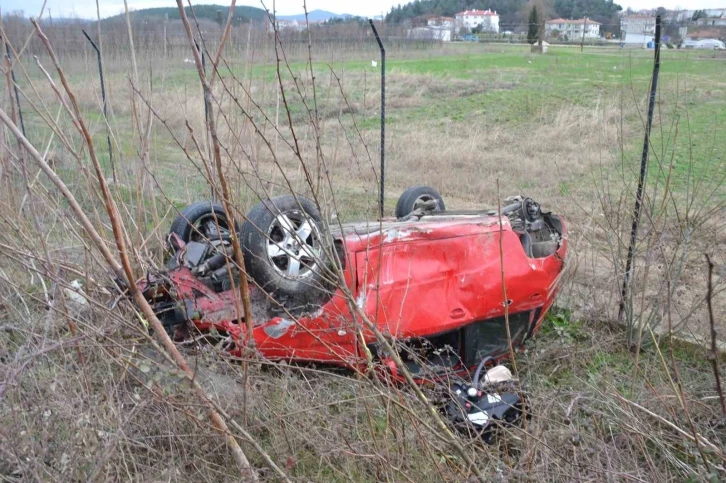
[{"x": 439, "y": 279}]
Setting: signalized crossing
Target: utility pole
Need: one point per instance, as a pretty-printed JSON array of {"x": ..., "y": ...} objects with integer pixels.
[{"x": 584, "y": 29}]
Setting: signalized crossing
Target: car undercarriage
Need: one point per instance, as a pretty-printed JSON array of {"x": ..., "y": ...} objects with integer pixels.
[{"x": 431, "y": 282}]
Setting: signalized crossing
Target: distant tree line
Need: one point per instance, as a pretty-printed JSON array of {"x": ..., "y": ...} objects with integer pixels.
[
  {"x": 603, "y": 11},
  {"x": 215, "y": 13},
  {"x": 347, "y": 20}
]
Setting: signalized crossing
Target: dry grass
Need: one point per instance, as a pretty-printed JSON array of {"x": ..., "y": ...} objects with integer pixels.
[{"x": 122, "y": 412}]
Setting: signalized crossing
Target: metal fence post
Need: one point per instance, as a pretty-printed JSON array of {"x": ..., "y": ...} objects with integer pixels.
[
  {"x": 204, "y": 68},
  {"x": 383, "y": 117},
  {"x": 15, "y": 89},
  {"x": 103, "y": 99},
  {"x": 643, "y": 171}
]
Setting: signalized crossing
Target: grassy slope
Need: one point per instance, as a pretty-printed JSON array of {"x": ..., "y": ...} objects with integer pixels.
[
  {"x": 517, "y": 91},
  {"x": 690, "y": 85}
]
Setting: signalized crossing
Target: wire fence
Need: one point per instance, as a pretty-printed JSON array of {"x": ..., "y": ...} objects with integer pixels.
[{"x": 153, "y": 39}]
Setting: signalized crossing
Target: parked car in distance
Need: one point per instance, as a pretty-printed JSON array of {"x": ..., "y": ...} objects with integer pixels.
[{"x": 707, "y": 44}]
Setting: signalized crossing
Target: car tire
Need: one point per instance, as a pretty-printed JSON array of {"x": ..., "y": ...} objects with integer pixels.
[
  {"x": 196, "y": 220},
  {"x": 413, "y": 196},
  {"x": 283, "y": 249}
]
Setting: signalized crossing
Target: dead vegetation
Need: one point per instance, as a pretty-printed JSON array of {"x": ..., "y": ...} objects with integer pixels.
[{"x": 87, "y": 394}]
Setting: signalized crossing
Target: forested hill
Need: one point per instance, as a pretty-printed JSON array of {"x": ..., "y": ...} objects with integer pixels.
[
  {"x": 511, "y": 12},
  {"x": 216, "y": 13}
]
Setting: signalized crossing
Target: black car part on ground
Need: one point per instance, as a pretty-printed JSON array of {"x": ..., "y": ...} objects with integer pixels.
[
  {"x": 171, "y": 312},
  {"x": 484, "y": 410},
  {"x": 539, "y": 232},
  {"x": 202, "y": 221}
]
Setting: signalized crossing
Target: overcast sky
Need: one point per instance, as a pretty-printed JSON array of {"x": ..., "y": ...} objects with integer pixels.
[{"x": 367, "y": 8}]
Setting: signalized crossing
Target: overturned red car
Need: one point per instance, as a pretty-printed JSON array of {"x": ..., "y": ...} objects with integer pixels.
[{"x": 430, "y": 280}]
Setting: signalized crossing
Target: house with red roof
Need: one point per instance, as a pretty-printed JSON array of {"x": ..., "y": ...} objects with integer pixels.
[
  {"x": 486, "y": 20},
  {"x": 441, "y": 22}
]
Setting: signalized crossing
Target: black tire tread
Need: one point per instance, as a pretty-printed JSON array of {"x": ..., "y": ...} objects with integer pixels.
[
  {"x": 406, "y": 201},
  {"x": 183, "y": 224}
]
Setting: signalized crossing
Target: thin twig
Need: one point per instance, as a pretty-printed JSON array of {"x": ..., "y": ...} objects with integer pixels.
[
  {"x": 683, "y": 433},
  {"x": 714, "y": 352}
]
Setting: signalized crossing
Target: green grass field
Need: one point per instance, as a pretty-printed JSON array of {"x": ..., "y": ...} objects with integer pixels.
[
  {"x": 500, "y": 87},
  {"x": 520, "y": 90},
  {"x": 493, "y": 87}
]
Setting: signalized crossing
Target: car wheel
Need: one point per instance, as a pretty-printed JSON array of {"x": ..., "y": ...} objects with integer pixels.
[
  {"x": 415, "y": 197},
  {"x": 199, "y": 221},
  {"x": 283, "y": 247}
]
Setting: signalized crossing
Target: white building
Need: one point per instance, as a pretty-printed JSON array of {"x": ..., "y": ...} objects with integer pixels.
[
  {"x": 471, "y": 19},
  {"x": 719, "y": 21},
  {"x": 679, "y": 16},
  {"x": 574, "y": 28},
  {"x": 687, "y": 15},
  {"x": 430, "y": 33},
  {"x": 715, "y": 12},
  {"x": 639, "y": 24},
  {"x": 283, "y": 24},
  {"x": 637, "y": 29},
  {"x": 441, "y": 22}
]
